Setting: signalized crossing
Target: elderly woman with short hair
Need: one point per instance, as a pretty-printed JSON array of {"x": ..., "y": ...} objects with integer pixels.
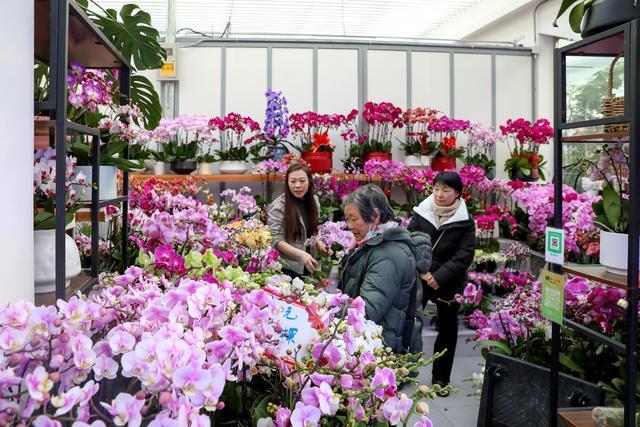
[{"x": 383, "y": 268}]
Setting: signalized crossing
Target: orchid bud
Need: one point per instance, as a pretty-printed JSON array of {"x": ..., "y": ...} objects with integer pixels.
[
  {"x": 220, "y": 406},
  {"x": 141, "y": 395},
  {"x": 423, "y": 389},
  {"x": 54, "y": 376},
  {"x": 403, "y": 372},
  {"x": 422, "y": 408}
]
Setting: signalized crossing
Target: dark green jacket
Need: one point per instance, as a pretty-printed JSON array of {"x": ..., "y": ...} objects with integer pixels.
[{"x": 383, "y": 272}]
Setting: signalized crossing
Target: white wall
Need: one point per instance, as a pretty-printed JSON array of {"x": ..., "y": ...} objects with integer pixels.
[
  {"x": 199, "y": 72},
  {"x": 339, "y": 88},
  {"x": 16, "y": 153}
]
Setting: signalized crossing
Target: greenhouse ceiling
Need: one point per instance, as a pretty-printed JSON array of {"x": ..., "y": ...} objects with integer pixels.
[{"x": 350, "y": 19}]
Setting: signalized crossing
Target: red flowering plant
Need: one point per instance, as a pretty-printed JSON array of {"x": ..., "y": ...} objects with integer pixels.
[
  {"x": 233, "y": 128},
  {"x": 524, "y": 140},
  {"x": 417, "y": 121},
  {"x": 354, "y": 139},
  {"x": 444, "y": 135},
  {"x": 312, "y": 130},
  {"x": 382, "y": 119}
]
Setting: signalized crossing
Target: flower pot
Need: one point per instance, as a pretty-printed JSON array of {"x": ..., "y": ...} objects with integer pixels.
[
  {"x": 108, "y": 188},
  {"x": 614, "y": 252},
  {"x": 208, "y": 168},
  {"x": 376, "y": 156},
  {"x": 159, "y": 168},
  {"x": 319, "y": 162},
  {"x": 44, "y": 246},
  {"x": 277, "y": 152},
  {"x": 426, "y": 161},
  {"x": 443, "y": 163},
  {"x": 413, "y": 161},
  {"x": 519, "y": 175},
  {"x": 605, "y": 14},
  {"x": 184, "y": 167},
  {"x": 233, "y": 166}
]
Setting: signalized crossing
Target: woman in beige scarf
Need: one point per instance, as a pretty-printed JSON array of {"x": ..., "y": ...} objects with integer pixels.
[{"x": 444, "y": 217}]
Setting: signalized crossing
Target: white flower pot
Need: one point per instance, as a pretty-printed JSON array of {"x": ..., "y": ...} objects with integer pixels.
[
  {"x": 412, "y": 161},
  {"x": 207, "y": 168},
  {"x": 159, "y": 168},
  {"x": 108, "y": 183},
  {"x": 233, "y": 166},
  {"x": 44, "y": 246},
  {"x": 613, "y": 252},
  {"x": 426, "y": 161}
]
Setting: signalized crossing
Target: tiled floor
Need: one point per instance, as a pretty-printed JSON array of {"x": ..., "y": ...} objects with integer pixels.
[{"x": 458, "y": 409}]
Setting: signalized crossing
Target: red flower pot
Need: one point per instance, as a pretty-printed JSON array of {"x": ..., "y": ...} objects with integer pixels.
[
  {"x": 443, "y": 163},
  {"x": 319, "y": 162},
  {"x": 376, "y": 156}
]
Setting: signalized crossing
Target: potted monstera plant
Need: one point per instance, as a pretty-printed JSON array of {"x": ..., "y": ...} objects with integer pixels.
[{"x": 589, "y": 17}]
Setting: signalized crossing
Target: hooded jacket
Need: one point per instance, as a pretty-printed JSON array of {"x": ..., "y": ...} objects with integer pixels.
[
  {"x": 453, "y": 246},
  {"x": 384, "y": 271}
]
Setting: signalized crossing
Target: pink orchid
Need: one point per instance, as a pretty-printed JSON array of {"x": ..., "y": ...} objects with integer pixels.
[
  {"x": 305, "y": 416},
  {"x": 396, "y": 410},
  {"x": 105, "y": 367},
  {"x": 191, "y": 379},
  {"x": 423, "y": 422},
  {"x": 282, "y": 417},
  {"x": 384, "y": 383},
  {"x": 233, "y": 335},
  {"x": 38, "y": 384},
  {"x": 125, "y": 410}
]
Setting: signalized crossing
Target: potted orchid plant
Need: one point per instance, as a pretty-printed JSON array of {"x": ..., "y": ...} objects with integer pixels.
[
  {"x": 179, "y": 139},
  {"x": 524, "y": 140},
  {"x": 382, "y": 119},
  {"x": 312, "y": 130},
  {"x": 276, "y": 128},
  {"x": 233, "y": 129},
  {"x": 480, "y": 143},
  {"x": 417, "y": 121},
  {"x": 44, "y": 220},
  {"x": 612, "y": 209},
  {"x": 443, "y": 142}
]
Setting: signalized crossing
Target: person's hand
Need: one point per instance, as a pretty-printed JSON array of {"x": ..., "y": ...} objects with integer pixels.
[
  {"x": 322, "y": 248},
  {"x": 309, "y": 262},
  {"x": 431, "y": 281}
]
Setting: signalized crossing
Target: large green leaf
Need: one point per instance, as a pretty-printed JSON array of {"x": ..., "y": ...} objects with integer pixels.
[
  {"x": 133, "y": 35},
  {"x": 575, "y": 17},
  {"x": 144, "y": 95},
  {"x": 612, "y": 206},
  {"x": 571, "y": 364}
]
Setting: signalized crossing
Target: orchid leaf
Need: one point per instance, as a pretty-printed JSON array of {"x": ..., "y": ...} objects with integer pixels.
[
  {"x": 564, "y": 6},
  {"x": 612, "y": 207},
  {"x": 575, "y": 17},
  {"x": 571, "y": 364},
  {"x": 497, "y": 346}
]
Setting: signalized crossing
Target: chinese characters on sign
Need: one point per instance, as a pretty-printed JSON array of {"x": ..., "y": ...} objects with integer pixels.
[{"x": 296, "y": 328}]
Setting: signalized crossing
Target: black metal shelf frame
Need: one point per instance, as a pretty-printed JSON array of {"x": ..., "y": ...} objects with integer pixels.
[
  {"x": 606, "y": 43},
  {"x": 60, "y": 12}
]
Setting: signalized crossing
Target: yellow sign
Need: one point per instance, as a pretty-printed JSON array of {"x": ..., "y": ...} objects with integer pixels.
[
  {"x": 168, "y": 69},
  {"x": 552, "y": 301}
]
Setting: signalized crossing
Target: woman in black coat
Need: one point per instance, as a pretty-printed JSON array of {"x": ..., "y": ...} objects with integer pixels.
[{"x": 444, "y": 216}]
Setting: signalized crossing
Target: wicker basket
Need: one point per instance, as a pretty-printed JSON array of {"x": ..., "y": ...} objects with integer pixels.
[{"x": 613, "y": 106}]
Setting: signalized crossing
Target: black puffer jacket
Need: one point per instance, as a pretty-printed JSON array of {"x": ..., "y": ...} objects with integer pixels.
[
  {"x": 383, "y": 271},
  {"x": 453, "y": 246}
]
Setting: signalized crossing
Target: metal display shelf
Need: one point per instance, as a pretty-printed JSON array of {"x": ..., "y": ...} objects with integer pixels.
[
  {"x": 64, "y": 33},
  {"x": 623, "y": 40}
]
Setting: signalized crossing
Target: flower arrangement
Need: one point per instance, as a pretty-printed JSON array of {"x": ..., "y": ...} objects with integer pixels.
[
  {"x": 612, "y": 167},
  {"x": 44, "y": 188},
  {"x": 336, "y": 236},
  {"x": 93, "y": 101},
  {"x": 444, "y": 135},
  {"x": 480, "y": 143},
  {"x": 182, "y": 138},
  {"x": 516, "y": 254},
  {"x": 385, "y": 170},
  {"x": 271, "y": 144},
  {"x": 524, "y": 139},
  {"x": 382, "y": 118},
  {"x": 312, "y": 130},
  {"x": 417, "y": 121},
  {"x": 232, "y": 129},
  {"x": 354, "y": 140}
]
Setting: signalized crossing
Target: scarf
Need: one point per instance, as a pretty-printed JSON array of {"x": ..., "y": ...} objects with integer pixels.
[{"x": 443, "y": 213}]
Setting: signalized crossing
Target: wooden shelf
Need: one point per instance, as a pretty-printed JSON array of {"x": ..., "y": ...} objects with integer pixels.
[
  {"x": 577, "y": 418},
  {"x": 86, "y": 43},
  {"x": 598, "y": 137},
  {"x": 597, "y": 274},
  {"x": 79, "y": 283},
  {"x": 238, "y": 177}
]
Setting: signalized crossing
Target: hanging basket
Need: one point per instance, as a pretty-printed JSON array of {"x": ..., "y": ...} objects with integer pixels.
[{"x": 613, "y": 106}]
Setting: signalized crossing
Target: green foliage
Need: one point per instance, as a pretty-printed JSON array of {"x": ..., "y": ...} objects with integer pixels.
[
  {"x": 482, "y": 161},
  {"x": 580, "y": 7},
  {"x": 233, "y": 153},
  {"x": 612, "y": 211},
  {"x": 144, "y": 95},
  {"x": 174, "y": 152},
  {"x": 374, "y": 146}
]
